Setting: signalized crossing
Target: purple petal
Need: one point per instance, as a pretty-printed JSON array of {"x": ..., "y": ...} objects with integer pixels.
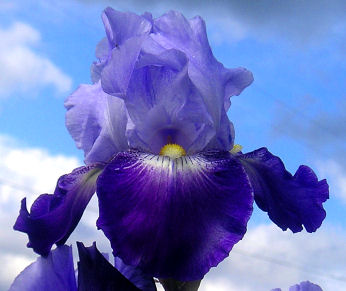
[
  {"x": 97, "y": 122},
  {"x": 216, "y": 83},
  {"x": 96, "y": 70},
  {"x": 116, "y": 74},
  {"x": 121, "y": 26},
  {"x": 55, "y": 272},
  {"x": 174, "y": 218},
  {"x": 96, "y": 273},
  {"x": 291, "y": 201},
  {"x": 53, "y": 217},
  {"x": 305, "y": 286},
  {"x": 173, "y": 30},
  {"x": 135, "y": 275},
  {"x": 102, "y": 53},
  {"x": 235, "y": 81},
  {"x": 165, "y": 106},
  {"x": 224, "y": 134},
  {"x": 148, "y": 16},
  {"x": 143, "y": 65},
  {"x": 126, "y": 33}
]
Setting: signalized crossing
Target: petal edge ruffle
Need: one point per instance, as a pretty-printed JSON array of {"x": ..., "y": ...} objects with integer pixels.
[
  {"x": 291, "y": 201},
  {"x": 53, "y": 217}
]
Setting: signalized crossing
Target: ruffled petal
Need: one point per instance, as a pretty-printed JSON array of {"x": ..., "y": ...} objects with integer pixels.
[
  {"x": 174, "y": 218},
  {"x": 138, "y": 65},
  {"x": 56, "y": 272},
  {"x": 116, "y": 74},
  {"x": 235, "y": 81},
  {"x": 126, "y": 33},
  {"x": 291, "y": 201},
  {"x": 97, "y": 122},
  {"x": 121, "y": 26},
  {"x": 96, "y": 273},
  {"x": 53, "y": 217},
  {"x": 165, "y": 106},
  {"x": 216, "y": 83},
  {"x": 173, "y": 30}
]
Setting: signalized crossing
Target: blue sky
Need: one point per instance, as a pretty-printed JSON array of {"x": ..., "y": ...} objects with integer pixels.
[{"x": 295, "y": 106}]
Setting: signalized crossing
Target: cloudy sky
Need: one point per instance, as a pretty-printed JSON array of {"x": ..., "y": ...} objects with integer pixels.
[{"x": 296, "y": 107}]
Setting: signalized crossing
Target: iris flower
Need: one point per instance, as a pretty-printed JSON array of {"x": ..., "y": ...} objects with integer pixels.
[
  {"x": 95, "y": 272},
  {"x": 175, "y": 194}
]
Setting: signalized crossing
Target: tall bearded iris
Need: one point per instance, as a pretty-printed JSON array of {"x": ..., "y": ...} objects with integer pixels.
[{"x": 174, "y": 193}]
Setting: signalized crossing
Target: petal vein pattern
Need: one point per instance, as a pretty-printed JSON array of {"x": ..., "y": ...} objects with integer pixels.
[{"x": 174, "y": 218}]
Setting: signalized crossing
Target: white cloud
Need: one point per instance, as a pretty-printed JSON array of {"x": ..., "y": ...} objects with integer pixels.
[
  {"x": 268, "y": 258},
  {"x": 23, "y": 172},
  {"x": 31, "y": 169},
  {"x": 14, "y": 264},
  {"x": 21, "y": 68}
]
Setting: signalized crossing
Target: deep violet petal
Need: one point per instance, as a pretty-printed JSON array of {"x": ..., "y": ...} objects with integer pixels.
[
  {"x": 291, "y": 201},
  {"x": 95, "y": 273},
  {"x": 53, "y": 217},
  {"x": 174, "y": 218},
  {"x": 135, "y": 275}
]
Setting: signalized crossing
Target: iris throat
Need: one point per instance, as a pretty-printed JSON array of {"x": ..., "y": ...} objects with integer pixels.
[
  {"x": 173, "y": 151},
  {"x": 236, "y": 149}
]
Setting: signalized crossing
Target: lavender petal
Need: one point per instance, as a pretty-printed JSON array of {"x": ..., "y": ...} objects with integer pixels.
[
  {"x": 56, "y": 272},
  {"x": 97, "y": 122}
]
